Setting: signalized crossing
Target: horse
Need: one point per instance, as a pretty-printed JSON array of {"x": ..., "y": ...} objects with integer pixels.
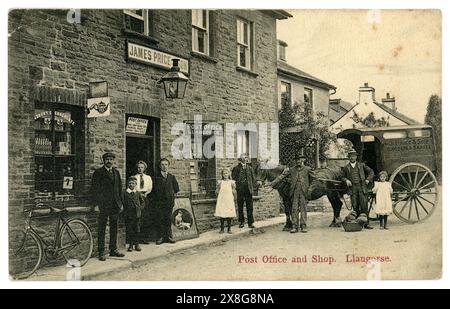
[{"x": 324, "y": 181}]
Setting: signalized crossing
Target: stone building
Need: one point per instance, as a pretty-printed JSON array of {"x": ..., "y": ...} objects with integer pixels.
[
  {"x": 297, "y": 86},
  {"x": 59, "y": 59}
]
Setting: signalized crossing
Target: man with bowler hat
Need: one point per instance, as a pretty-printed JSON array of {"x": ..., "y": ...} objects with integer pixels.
[
  {"x": 357, "y": 176},
  {"x": 107, "y": 195}
]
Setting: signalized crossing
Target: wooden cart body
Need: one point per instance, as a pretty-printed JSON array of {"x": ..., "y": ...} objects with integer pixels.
[{"x": 408, "y": 155}]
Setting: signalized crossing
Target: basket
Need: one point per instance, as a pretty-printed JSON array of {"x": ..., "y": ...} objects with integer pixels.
[{"x": 352, "y": 226}]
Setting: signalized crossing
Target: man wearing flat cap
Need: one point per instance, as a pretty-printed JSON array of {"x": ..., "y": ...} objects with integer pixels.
[
  {"x": 357, "y": 176},
  {"x": 298, "y": 178},
  {"x": 107, "y": 195}
]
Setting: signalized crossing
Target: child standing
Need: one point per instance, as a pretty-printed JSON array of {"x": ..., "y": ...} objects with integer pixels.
[
  {"x": 225, "y": 208},
  {"x": 383, "y": 206},
  {"x": 134, "y": 203}
]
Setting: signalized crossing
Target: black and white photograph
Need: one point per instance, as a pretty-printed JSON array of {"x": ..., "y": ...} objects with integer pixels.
[{"x": 221, "y": 144}]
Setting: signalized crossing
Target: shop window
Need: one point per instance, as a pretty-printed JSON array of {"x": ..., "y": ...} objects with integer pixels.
[
  {"x": 139, "y": 21},
  {"x": 201, "y": 31},
  {"x": 203, "y": 164},
  {"x": 58, "y": 152},
  {"x": 245, "y": 44}
]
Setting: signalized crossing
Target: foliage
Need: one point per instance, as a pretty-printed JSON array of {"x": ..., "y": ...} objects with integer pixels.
[
  {"x": 434, "y": 119},
  {"x": 311, "y": 126},
  {"x": 370, "y": 121}
]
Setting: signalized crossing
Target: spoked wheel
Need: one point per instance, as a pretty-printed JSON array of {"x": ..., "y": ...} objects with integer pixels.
[
  {"x": 415, "y": 195},
  {"x": 76, "y": 242},
  {"x": 25, "y": 254}
]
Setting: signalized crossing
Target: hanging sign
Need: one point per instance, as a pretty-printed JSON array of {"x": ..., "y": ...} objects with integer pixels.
[{"x": 98, "y": 107}]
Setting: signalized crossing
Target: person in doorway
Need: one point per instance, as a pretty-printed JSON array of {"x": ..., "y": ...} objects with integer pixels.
[
  {"x": 133, "y": 202},
  {"x": 165, "y": 187},
  {"x": 245, "y": 180},
  {"x": 145, "y": 186},
  {"x": 107, "y": 195},
  {"x": 357, "y": 176}
]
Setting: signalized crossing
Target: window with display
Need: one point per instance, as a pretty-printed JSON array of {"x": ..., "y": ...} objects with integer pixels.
[
  {"x": 58, "y": 151},
  {"x": 203, "y": 164}
]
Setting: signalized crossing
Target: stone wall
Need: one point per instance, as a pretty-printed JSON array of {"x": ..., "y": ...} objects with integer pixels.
[{"x": 52, "y": 60}]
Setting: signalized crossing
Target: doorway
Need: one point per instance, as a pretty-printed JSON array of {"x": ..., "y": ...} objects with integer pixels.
[
  {"x": 142, "y": 143},
  {"x": 371, "y": 155}
]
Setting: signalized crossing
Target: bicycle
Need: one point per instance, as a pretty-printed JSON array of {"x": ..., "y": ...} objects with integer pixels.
[{"x": 72, "y": 240}]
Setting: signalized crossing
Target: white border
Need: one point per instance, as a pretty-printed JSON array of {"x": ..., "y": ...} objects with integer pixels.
[{"x": 385, "y": 4}]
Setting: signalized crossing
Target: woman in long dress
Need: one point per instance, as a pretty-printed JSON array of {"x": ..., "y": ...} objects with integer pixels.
[
  {"x": 383, "y": 206},
  {"x": 225, "y": 207}
]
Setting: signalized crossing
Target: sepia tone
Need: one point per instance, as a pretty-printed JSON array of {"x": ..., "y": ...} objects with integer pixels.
[{"x": 91, "y": 84}]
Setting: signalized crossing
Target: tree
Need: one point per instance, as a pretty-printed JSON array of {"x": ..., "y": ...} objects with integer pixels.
[
  {"x": 434, "y": 119},
  {"x": 309, "y": 127}
]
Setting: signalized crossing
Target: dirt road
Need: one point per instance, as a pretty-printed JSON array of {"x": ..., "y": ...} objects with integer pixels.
[{"x": 404, "y": 251}]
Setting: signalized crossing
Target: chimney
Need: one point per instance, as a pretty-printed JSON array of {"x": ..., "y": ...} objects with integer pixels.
[
  {"x": 282, "y": 50},
  {"x": 334, "y": 104},
  {"x": 389, "y": 101},
  {"x": 366, "y": 94}
]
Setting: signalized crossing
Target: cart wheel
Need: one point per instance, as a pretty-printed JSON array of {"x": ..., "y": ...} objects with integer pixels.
[{"x": 415, "y": 193}]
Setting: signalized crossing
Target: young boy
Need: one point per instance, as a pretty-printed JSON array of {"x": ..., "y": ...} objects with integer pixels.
[{"x": 134, "y": 203}]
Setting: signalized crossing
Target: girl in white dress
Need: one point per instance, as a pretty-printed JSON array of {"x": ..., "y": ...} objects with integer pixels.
[
  {"x": 225, "y": 208},
  {"x": 383, "y": 206}
]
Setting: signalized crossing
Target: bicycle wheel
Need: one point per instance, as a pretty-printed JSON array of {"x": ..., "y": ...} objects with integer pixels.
[
  {"x": 76, "y": 243},
  {"x": 25, "y": 254}
]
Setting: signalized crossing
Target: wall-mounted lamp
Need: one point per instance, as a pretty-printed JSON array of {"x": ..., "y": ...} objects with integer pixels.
[{"x": 174, "y": 82}]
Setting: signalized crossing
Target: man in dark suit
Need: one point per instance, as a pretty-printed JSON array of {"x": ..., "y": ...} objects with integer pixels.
[
  {"x": 165, "y": 186},
  {"x": 245, "y": 180},
  {"x": 107, "y": 195},
  {"x": 357, "y": 176},
  {"x": 298, "y": 178}
]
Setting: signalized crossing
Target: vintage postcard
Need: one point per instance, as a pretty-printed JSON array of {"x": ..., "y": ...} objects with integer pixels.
[{"x": 219, "y": 144}]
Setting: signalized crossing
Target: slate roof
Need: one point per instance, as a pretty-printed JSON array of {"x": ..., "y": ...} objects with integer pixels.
[{"x": 292, "y": 71}]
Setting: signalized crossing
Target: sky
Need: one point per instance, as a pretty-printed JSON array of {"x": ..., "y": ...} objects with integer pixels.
[{"x": 395, "y": 51}]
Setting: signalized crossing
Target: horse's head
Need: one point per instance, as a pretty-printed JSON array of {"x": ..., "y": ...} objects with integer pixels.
[{"x": 267, "y": 172}]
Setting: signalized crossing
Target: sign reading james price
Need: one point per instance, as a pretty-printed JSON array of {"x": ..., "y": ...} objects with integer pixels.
[{"x": 155, "y": 57}]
